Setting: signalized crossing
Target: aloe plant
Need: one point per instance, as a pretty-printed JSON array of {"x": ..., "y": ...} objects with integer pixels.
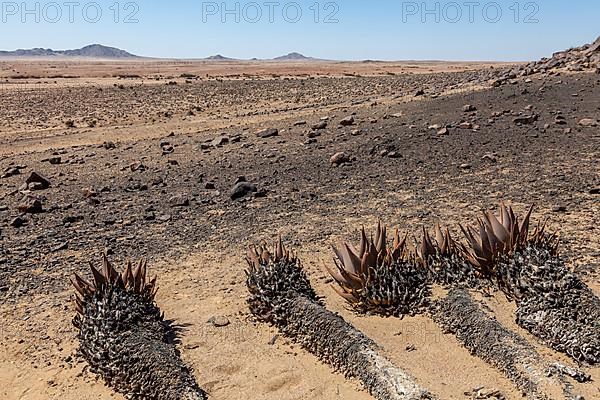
[
  {"x": 125, "y": 339},
  {"x": 281, "y": 294}
]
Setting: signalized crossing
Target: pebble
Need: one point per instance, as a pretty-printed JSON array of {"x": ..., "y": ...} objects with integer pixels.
[{"x": 219, "y": 321}]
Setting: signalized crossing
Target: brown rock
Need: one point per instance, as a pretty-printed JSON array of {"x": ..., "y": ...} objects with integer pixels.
[
  {"x": 347, "y": 121},
  {"x": 319, "y": 126},
  {"x": 30, "y": 205},
  {"x": 588, "y": 122},
  {"x": 267, "y": 133},
  {"x": 339, "y": 158}
]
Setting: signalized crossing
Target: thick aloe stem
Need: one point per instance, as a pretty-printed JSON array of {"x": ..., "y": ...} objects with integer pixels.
[
  {"x": 348, "y": 350},
  {"x": 487, "y": 339},
  {"x": 553, "y": 303}
]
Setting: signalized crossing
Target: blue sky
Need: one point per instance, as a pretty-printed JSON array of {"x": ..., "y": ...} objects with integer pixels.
[{"x": 349, "y": 29}]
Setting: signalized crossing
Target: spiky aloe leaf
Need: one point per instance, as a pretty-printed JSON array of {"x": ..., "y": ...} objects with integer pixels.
[
  {"x": 124, "y": 337},
  {"x": 380, "y": 279},
  {"x": 444, "y": 261}
]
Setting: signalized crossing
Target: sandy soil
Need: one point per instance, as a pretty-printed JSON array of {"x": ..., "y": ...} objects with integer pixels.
[{"x": 403, "y": 172}]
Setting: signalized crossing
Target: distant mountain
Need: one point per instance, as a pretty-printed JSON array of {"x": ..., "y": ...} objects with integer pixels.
[
  {"x": 294, "y": 57},
  {"x": 219, "y": 57},
  {"x": 91, "y": 51}
]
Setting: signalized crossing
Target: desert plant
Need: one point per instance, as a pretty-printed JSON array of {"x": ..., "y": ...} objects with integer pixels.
[
  {"x": 377, "y": 279},
  {"x": 457, "y": 313},
  {"x": 445, "y": 264},
  {"x": 125, "y": 339},
  {"x": 552, "y": 302},
  {"x": 281, "y": 294}
]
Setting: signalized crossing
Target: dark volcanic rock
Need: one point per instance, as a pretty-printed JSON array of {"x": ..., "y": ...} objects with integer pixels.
[
  {"x": 36, "y": 177},
  {"x": 242, "y": 189},
  {"x": 18, "y": 222}
]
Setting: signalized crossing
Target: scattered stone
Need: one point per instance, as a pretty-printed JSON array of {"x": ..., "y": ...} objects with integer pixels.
[
  {"x": 242, "y": 189},
  {"x": 240, "y": 179},
  {"x": 465, "y": 125},
  {"x": 319, "y": 126},
  {"x": 60, "y": 247},
  {"x": 163, "y": 218},
  {"x": 71, "y": 219},
  {"x": 419, "y": 92},
  {"x": 12, "y": 171},
  {"x": 267, "y": 133},
  {"x": 595, "y": 190},
  {"x": 167, "y": 148},
  {"x": 443, "y": 132},
  {"x": 220, "y": 141},
  {"x": 30, "y": 205},
  {"x": 348, "y": 121},
  {"x": 55, "y": 160},
  {"x": 260, "y": 193},
  {"x": 137, "y": 166},
  {"x": 526, "y": 119},
  {"x": 38, "y": 179},
  {"x": 559, "y": 209},
  {"x": 109, "y": 145},
  {"x": 465, "y": 166},
  {"x": 219, "y": 321},
  {"x": 588, "y": 122},
  {"x": 18, "y": 222},
  {"x": 33, "y": 186},
  {"x": 339, "y": 158},
  {"x": 150, "y": 216},
  {"x": 299, "y": 123},
  {"x": 560, "y": 120},
  {"x": 179, "y": 201},
  {"x": 469, "y": 108},
  {"x": 209, "y": 186},
  {"x": 568, "y": 131},
  {"x": 490, "y": 157}
]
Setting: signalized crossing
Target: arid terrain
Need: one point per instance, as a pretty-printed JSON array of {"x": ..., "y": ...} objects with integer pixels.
[{"x": 140, "y": 159}]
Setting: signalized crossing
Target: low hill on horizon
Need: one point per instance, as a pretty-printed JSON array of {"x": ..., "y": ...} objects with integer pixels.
[{"x": 90, "y": 51}]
